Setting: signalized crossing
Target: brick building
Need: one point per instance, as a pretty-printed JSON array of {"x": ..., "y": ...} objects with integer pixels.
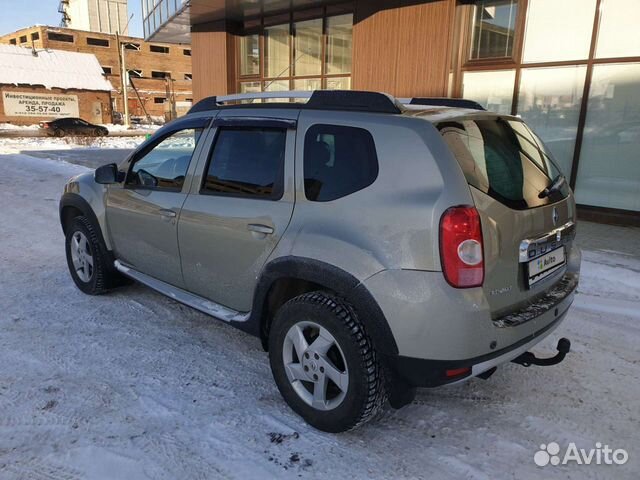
[
  {"x": 160, "y": 73},
  {"x": 36, "y": 86}
]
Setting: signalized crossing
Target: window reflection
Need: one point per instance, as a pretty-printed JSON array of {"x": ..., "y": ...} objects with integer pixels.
[
  {"x": 609, "y": 171},
  {"x": 493, "y": 29},
  {"x": 549, "y": 101},
  {"x": 558, "y": 30},
  {"x": 249, "y": 55},
  {"x": 300, "y": 55},
  {"x": 339, "y": 83},
  {"x": 619, "y": 35},
  {"x": 307, "y": 84},
  {"x": 492, "y": 90},
  {"x": 339, "y": 40},
  {"x": 308, "y": 47},
  {"x": 276, "y": 40},
  {"x": 276, "y": 86}
]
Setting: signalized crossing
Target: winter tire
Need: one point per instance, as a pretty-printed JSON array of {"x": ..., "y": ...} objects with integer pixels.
[
  {"x": 87, "y": 258},
  {"x": 324, "y": 363}
]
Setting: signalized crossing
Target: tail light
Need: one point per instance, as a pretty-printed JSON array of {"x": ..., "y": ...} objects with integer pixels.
[{"x": 461, "y": 251}]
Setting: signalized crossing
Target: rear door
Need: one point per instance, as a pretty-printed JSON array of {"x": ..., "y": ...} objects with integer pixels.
[
  {"x": 239, "y": 207},
  {"x": 527, "y": 234}
]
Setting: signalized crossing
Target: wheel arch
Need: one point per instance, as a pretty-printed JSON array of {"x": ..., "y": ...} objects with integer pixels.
[
  {"x": 73, "y": 205},
  {"x": 287, "y": 277}
]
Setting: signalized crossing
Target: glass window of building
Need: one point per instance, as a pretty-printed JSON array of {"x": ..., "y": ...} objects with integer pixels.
[
  {"x": 339, "y": 44},
  {"x": 276, "y": 55},
  {"x": 493, "y": 90},
  {"x": 307, "y": 47},
  {"x": 493, "y": 31},
  {"x": 249, "y": 55},
  {"x": 609, "y": 170},
  {"x": 339, "y": 83},
  {"x": 250, "y": 87},
  {"x": 619, "y": 35},
  {"x": 549, "y": 101},
  {"x": 309, "y": 54},
  {"x": 558, "y": 30},
  {"x": 276, "y": 86},
  {"x": 307, "y": 84}
]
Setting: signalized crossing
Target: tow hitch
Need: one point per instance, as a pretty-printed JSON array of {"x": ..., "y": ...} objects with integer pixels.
[{"x": 527, "y": 358}]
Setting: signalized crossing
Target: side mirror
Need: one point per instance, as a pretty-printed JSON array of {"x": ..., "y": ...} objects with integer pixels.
[{"x": 108, "y": 174}]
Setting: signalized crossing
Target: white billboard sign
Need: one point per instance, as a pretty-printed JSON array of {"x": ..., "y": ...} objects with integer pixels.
[{"x": 26, "y": 104}]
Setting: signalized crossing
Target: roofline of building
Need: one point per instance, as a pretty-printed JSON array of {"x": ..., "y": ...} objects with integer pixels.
[{"x": 67, "y": 29}]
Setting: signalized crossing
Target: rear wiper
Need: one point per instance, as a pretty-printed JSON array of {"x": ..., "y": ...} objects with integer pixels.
[{"x": 556, "y": 185}]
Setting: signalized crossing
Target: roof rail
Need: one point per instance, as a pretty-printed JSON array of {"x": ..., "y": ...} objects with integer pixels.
[
  {"x": 351, "y": 100},
  {"x": 443, "y": 102}
]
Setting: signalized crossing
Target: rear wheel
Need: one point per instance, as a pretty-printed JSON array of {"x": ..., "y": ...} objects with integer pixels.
[
  {"x": 59, "y": 132},
  {"x": 324, "y": 364},
  {"x": 87, "y": 258}
]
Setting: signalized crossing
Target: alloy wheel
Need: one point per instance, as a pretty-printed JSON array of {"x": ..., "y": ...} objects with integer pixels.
[
  {"x": 315, "y": 365},
  {"x": 81, "y": 256}
]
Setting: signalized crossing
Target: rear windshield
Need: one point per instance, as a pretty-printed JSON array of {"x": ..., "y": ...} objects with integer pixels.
[{"x": 504, "y": 159}]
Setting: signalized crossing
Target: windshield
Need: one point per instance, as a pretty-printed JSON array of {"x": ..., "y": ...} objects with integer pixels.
[{"x": 504, "y": 159}]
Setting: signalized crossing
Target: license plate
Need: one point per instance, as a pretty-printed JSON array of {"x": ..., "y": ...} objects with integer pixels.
[{"x": 541, "y": 267}]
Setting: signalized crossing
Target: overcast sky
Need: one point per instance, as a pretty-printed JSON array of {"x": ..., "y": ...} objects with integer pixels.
[{"x": 18, "y": 14}]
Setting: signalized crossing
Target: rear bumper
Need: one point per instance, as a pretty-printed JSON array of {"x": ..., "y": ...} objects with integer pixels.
[
  {"x": 418, "y": 372},
  {"x": 438, "y": 328}
]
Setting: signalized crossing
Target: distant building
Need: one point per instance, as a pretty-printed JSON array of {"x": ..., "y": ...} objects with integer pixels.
[
  {"x": 101, "y": 16},
  {"x": 41, "y": 85},
  {"x": 160, "y": 72}
]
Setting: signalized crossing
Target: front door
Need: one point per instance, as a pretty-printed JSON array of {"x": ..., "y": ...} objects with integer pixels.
[
  {"x": 239, "y": 208},
  {"x": 142, "y": 214}
]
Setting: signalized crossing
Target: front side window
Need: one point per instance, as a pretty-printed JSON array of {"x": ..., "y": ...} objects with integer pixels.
[
  {"x": 247, "y": 162},
  {"x": 165, "y": 165},
  {"x": 338, "y": 161},
  {"x": 493, "y": 32}
]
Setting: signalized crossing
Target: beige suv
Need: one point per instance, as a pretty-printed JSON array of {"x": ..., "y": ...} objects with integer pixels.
[{"x": 374, "y": 245}]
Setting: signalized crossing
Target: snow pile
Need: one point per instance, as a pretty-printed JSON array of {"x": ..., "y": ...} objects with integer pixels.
[
  {"x": 17, "y": 145},
  {"x": 11, "y": 126},
  {"x": 51, "y": 68}
]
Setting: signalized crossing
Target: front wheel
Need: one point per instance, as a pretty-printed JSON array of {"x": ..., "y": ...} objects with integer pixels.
[
  {"x": 87, "y": 259},
  {"x": 324, "y": 363}
]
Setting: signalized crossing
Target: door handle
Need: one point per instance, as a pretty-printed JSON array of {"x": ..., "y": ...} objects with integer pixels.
[
  {"x": 256, "y": 227},
  {"x": 165, "y": 212}
]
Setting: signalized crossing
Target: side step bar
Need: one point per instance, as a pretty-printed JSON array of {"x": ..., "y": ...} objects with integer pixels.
[
  {"x": 527, "y": 358},
  {"x": 194, "y": 301}
]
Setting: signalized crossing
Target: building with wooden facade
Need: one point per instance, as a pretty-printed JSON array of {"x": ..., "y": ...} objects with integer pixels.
[{"x": 570, "y": 68}]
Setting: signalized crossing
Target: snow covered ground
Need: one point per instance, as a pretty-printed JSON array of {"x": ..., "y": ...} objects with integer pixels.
[
  {"x": 132, "y": 385},
  {"x": 21, "y": 144}
]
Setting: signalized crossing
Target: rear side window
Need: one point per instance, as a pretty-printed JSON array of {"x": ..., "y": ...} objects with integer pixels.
[
  {"x": 247, "y": 162},
  {"x": 338, "y": 161},
  {"x": 503, "y": 159}
]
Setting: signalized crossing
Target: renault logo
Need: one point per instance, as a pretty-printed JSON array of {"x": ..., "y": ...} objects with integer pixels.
[{"x": 555, "y": 216}]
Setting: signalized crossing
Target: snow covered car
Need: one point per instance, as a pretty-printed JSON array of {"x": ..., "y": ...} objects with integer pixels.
[
  {"x": 74, "y": 127},
  {"x": 373, "y": 245}
]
